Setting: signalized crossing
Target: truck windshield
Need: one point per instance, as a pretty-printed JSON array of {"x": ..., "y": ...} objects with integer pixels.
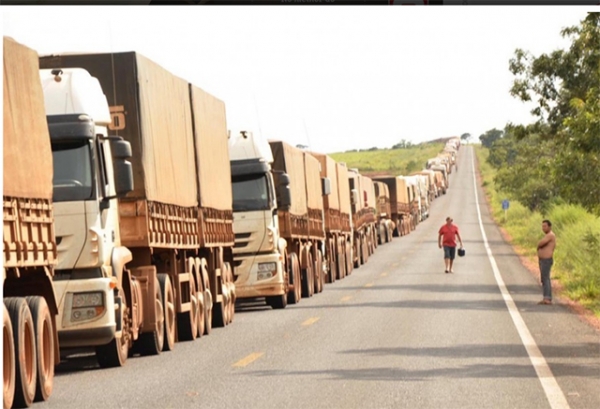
[
  {"x": 250, "y": 193},
  {"x": 72, "y": 172}
]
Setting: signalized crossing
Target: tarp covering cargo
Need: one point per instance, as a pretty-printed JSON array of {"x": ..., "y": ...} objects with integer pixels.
[
  {"x": 290, "y": 160},
  {"x": 369, "y": 198},
  {"x": 328, "y": 170},
  {"x": 404, "y": 192},
  {"x": 27, "y": 153},
  {"x": 312, "y": 171},
  {"x": 342, "y": 175},
  {"x": 212, "y": 152},
  {"x": 150, "y": 108}
]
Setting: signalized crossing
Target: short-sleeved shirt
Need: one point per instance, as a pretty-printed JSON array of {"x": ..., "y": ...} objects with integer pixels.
[{"x": 449, "y": 235}]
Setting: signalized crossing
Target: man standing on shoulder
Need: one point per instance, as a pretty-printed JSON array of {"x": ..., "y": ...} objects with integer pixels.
[
  {"x": 447, "y": 238},
  {"x": 545, "y": 251}
]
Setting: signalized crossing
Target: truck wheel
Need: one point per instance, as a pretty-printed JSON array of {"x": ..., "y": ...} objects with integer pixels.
[
  {"x": 341, "y": 263},
  {"x": 208, "y": 300},
  {"x": 8, "y": 359},
  {"x": 294, "y": 272},
  {"x": 168, "y": 297},
  {"x": 152, "y": 343},
  {"x": 308, "y": 286},
  {"x": 114, "y": 354},
  {"x": 201, "y": 310},
  {"x": 231, "y": 286},
  {"x": 44, "y": 342},
  {"x": 318, "y": 273},
  {"x": 25, "y": 354},
  {"x": 187, "y": 322},
  {"x": 219, "y": 315},
  {"x": 348, "y": 257},
  {"x": 278, "y": 302}
]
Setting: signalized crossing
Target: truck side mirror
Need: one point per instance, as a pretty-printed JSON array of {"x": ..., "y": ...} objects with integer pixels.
[
  {"x": 283, "y": 179},
  {"x": 284, "y": 197},
  {"x": 123, "y": 171},
  {"x": 325, "y": 186},
  {"x": 354, "y": 197}
]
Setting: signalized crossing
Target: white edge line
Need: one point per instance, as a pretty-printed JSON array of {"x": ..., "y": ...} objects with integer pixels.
[{"x": 555, "y": 396}]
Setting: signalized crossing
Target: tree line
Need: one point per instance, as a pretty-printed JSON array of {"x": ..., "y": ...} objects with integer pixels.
[{"x": 555, "y": 159}]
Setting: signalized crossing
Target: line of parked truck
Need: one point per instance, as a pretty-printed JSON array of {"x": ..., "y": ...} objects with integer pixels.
[{"x": 133, "y": 218}]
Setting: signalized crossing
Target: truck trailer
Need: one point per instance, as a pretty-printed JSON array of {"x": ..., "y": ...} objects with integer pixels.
[
  {"x": 30, "y": 340},
  {"x": 167, "y": 252}
]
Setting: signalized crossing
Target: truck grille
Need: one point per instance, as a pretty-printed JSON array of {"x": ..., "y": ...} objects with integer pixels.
[{"x": 242, "y": 240}]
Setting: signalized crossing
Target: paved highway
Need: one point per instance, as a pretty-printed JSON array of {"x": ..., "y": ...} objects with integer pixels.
[{"x": 397, "y": 333}]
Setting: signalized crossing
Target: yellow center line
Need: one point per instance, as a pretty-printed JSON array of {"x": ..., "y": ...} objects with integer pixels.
[
  {"x": 369, "y": 285},
  {"x": 346, "y": 298},
  {"x": 310, "y": 321},
  {"x": 397, "y": 264},
  {"x": 384, "y": 274},
  {"x": 248, "y": 360}
]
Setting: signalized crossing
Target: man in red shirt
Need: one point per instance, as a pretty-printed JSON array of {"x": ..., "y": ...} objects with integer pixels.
[{"x": 447, "y": 238}]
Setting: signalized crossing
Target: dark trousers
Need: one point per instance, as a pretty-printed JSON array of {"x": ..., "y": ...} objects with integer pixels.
[{"x": 545, "y": 266}]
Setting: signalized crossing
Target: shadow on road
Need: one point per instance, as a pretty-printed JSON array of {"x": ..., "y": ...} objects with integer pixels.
[{"x": 475, "y": 371}]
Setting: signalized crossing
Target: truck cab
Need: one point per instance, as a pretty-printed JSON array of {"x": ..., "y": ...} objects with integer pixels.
[
  {"x": 259, "y": 251},
  {"x": 91, "y": 171}
]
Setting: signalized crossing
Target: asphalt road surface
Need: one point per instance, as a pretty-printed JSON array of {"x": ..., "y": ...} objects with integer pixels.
[{"x": 397, "y": 333}]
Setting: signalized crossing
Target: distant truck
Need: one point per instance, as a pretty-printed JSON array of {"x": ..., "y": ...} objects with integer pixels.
[
  {"x": 156, "y": 265},
  {"x": 363, "y": 216},
  {"x": 30, "y": 341},
  {"x": 302, "y": 223},
  {"x": 280, "y": 250},
  {"x": 385, "y": 226},
  {"x": 338, "y": 222}
]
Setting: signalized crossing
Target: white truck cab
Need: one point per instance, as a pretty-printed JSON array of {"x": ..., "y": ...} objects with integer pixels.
[
  {"x": 259, "y": 250},
  {"x": 91, "y": 171}
]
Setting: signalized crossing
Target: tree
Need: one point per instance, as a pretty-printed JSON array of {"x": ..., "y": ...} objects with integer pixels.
[
  {"x": 488, "y": 138},
  {"x": 465, "y": 137},
  {"x": 403, "y": 144},
  {"x": 565, "y": 87}
]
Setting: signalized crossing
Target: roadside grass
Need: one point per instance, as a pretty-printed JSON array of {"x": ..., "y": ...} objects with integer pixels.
[
  {"x": 392, "y": 161},
  {"x": 576, "y": 260}
]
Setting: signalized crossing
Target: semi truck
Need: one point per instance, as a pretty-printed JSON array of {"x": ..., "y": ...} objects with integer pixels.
[
  {"x": 150, "y": 256},
  {"x": 385, "y": 226},
  {"x": 263, "y": 265},
  {"x": 278, "y": 199},
  {"x": 363, "y": 216},
  {"x": 302, "y": 222},
  {"x": 30, "y": 341},
  {"x": 338, "y": 222}
]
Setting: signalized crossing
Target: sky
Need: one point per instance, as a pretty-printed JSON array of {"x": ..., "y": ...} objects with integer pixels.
[{"x": 331, "y": 78}]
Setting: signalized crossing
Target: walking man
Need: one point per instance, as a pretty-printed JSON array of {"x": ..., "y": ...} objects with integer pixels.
[
  {"x": 447, "y": 238},
  {"x": 545, "y": 251}
]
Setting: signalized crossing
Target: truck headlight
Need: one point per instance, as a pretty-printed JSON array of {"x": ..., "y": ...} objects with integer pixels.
[
  {"x": 266, "y": 271},
  {"x": 91, "y": 299},
  {"x": 87, "y": 306}
]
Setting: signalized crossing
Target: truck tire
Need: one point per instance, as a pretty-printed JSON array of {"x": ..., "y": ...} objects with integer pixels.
[
  {"x": 277, "y": 302},
  {"x": 294, "y": 273},
  {"x": 231, "y": 285},
  {"x": 201, "y": 310},
  {"x": 308, "y": 286},
  {"x": 207, "y": 299},
  {"x": 318, "y": 269},
  {"x": 44, "y": 342},
  {"x": 187, "y": 322},
  {"x": 152, "y": 343},
  {"x": 341, "y": 263},
  {"x": 348, "y": 257},
  {"x": 220, "y": 308},
  {"x": 8, "y": 359},
  {"x": 115, "y": 353},
  {"x": 25, "y": 354},
  {"x": 169, "y": 314}
]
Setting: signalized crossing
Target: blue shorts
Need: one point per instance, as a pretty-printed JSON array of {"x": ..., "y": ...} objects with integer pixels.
[{"x": 449, "y": 252}]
